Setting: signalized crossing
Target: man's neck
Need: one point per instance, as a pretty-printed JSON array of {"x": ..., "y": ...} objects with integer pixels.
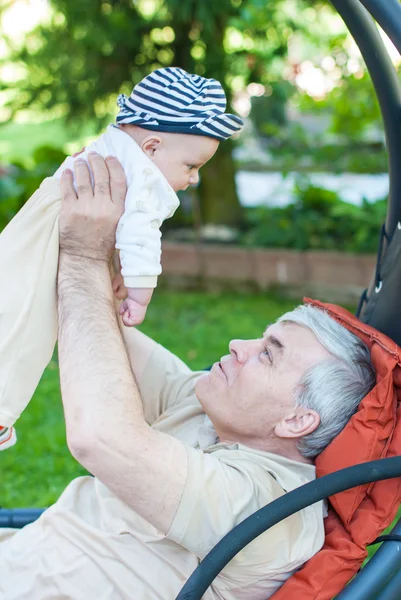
[{"x": 282, "y": 447}]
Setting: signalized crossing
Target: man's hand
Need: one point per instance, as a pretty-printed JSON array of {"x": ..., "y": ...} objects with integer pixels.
[{"x": 89, "y": 217}]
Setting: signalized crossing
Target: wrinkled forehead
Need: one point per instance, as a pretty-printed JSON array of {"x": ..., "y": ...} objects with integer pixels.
[
  {"x": 284, "y": 328},
  {"x": 298, "y": 341},
  {"x": 288, "y": 328}
]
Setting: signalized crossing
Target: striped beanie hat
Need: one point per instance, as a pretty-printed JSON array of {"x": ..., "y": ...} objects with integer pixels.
[{"x": 172, "y": 100}]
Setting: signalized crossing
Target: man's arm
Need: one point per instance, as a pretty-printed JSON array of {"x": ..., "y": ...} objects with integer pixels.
[
  {"x": 168, "y": 379},
  {"x": 106, "y": 430}
]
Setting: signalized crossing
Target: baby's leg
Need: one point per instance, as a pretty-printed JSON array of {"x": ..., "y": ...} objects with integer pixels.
[{"x": 29, "y": 249}]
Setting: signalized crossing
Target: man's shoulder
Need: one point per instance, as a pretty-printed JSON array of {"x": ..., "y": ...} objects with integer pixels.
[
  {"x": 225, "y": 485},
  {"x": 288, "y": 473}
]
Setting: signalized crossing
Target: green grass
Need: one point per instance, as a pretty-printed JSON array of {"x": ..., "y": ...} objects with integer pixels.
[
  {"x": 19, "y": 140},
  {"x": 196, "y": 326}
]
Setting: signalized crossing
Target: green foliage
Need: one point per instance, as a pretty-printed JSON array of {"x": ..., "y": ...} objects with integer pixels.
[
  {"x": 16, "y": 145},
  {"x": 89, "y": 51},
  {"x": 17, "y": 183},
  {"x": 318, "y": 219},
  {"x": 75, "y": 65},
  {"x": 268, "y": 112},
  {"x": 352, "y": 105},
  {"x": 293, "y": 146}
]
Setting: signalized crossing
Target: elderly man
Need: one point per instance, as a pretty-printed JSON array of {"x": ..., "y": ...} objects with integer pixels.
[{"x": 178, "y": 458}]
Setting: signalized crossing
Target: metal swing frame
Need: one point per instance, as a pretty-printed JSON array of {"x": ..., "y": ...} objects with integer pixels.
[{"x": 380, "y": 579}]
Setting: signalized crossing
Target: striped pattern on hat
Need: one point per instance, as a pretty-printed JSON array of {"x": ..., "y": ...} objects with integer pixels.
[{"x": 172, "y": 100}]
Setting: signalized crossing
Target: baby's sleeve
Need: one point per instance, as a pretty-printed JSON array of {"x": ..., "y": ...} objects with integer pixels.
[{"x": 150, "y": 200}]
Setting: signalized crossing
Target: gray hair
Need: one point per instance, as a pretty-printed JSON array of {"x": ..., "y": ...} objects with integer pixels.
[{"x": 335, "y": 386}]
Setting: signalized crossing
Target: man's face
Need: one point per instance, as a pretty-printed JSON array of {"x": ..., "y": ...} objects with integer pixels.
[
  {"x": 181, "y": 156},
  {"x": 251, "y": 390}
]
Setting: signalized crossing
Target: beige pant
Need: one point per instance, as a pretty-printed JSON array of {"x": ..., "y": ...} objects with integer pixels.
[{"x": 29, "y": 247}]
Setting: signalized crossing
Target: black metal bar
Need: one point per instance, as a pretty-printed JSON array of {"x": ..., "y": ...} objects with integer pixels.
[
  {"x": 388, "y": 91},
  {"x": 388, "y": 14},
  {"x": 371, "y": 580},
  {"x": 387, "y": 537},
  {"x": 392, "y": 589},
  {"x": 278, "y": 510},
  {"x": 19, "y": 517}
]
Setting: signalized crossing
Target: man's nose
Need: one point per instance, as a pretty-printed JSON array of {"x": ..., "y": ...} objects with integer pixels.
[{"x": 239, "y": 350}]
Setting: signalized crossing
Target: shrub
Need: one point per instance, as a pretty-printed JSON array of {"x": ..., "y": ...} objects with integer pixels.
[
  {"x": 318, "y": 219},
  {"x": 17, "y": 183}
]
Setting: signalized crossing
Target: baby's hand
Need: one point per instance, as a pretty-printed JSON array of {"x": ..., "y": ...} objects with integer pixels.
[
  {"x": 132, "y": 313},
  {"x": 133, "y": 309}
]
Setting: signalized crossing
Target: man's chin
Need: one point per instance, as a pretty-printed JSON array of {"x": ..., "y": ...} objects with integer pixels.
[
  {"x": 201, "y": 386},
  {"x": 201, "y": 380}
]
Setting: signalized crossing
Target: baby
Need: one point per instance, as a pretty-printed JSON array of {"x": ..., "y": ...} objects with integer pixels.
[{"x": 168, "y": 128}]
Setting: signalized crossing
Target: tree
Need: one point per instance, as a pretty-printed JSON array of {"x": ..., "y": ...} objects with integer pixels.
[{"x": 89, "y": 51}]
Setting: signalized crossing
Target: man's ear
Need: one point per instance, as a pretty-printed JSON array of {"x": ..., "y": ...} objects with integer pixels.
[
  {"x": 299, "y": 423},
  {"x": 151, "y": 144}
]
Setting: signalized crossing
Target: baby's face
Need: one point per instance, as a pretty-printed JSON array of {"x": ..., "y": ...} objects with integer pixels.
[{"x": 180, "y": 156}]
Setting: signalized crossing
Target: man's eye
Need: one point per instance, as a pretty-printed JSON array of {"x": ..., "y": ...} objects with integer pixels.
[
  {"x": 190, "y": 167},
  {"x": 268, "y": 353}
]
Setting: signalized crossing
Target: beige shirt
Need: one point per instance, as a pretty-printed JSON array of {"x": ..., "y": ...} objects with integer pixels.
[{"x": 91, "y": 545}]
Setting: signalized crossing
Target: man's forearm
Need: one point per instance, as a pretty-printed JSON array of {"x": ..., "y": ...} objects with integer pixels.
[
  {"x": 98, "y": 389},
  {"x": 106, "y": 430}
]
